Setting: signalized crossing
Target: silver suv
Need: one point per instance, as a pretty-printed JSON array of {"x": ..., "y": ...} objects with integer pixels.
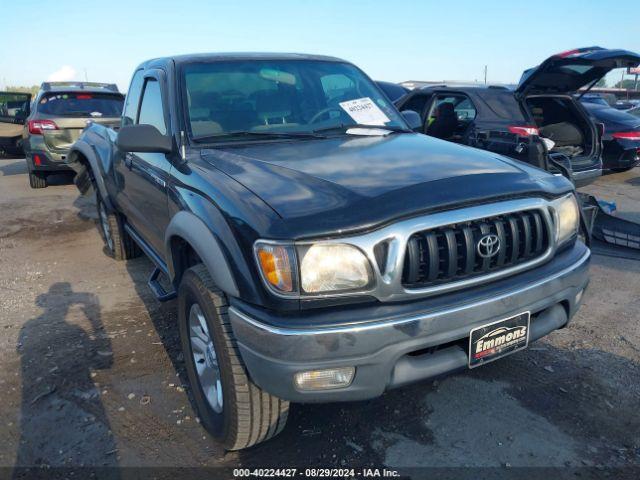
[{"x": 59, "y": 113}]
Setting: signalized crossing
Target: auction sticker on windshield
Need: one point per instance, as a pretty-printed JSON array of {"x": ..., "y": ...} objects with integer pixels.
[
  {"x": 364, "y": 111},
  {"x": 497, "y": 339}
]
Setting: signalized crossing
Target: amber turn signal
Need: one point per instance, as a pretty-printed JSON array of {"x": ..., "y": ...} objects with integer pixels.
[{"x": 275, "y": 263}]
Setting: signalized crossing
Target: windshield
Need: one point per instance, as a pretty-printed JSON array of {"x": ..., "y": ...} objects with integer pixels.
[
  {"x": 226, "y": 99},
  {"x": 81, "y": 104}
]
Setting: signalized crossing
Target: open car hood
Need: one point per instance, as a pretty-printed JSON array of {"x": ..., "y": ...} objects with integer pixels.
[{"x": 569, "y": 71}]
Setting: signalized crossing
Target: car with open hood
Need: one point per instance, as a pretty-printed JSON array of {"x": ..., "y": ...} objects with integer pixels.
[
  {"x": 539, "y": 122},
  {"x": 320, "y": 250},
  {"x": 14, "y": 109}
]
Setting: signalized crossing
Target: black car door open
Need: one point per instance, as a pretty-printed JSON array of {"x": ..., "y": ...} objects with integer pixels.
[{"x": 145, "y": 175}]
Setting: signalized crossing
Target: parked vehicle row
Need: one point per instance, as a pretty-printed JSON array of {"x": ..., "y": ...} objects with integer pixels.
[{"x": 541, "y": 122}]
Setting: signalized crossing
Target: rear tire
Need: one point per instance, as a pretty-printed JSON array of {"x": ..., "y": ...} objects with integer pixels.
[
  {"x": 235, "y": 411},
  {"x": 118, "y": 242},
  {"x": 37, "y": 179}
]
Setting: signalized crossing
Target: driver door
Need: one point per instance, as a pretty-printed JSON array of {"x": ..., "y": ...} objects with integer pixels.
[{"x": 144, "y": 175}]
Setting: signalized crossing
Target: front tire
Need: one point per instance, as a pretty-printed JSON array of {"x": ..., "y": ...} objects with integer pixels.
[
  {"x": 37, "y": 179},
  {"x": 117, "y": 241},
  {"x": 234, "y": 410}
]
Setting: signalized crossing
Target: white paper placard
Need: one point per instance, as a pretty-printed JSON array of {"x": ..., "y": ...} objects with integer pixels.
[
  {"x": 369, "y": 132},
  {"x": 364, "y": 111}
]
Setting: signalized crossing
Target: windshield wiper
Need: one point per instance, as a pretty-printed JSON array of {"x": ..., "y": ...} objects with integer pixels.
[
  {"x": 345, "y": 127},
  {"x": 247, "y": 133}
]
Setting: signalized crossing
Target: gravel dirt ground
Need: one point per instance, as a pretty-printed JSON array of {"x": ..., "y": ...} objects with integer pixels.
[{"x": 91, "y": 372}]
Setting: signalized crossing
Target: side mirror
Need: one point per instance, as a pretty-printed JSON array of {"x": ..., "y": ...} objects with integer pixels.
[
  {"x": 143, "y": 138},
  {"x": 413, "y": 119}
]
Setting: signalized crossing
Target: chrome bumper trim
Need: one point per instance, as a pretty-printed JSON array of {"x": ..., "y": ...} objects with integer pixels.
[{"x": 392, "y": 323}]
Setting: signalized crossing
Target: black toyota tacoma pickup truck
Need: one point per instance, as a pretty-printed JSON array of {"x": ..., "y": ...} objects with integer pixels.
[{"x": 319, "y": 249}]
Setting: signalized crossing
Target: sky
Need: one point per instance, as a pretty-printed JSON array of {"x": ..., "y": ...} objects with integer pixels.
[{"x": 390, "y": 40}]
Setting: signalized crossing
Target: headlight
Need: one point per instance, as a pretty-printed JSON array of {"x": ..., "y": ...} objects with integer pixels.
[
  {"x": 567, "y": 218},
  {"x": 333, "y": 268}
]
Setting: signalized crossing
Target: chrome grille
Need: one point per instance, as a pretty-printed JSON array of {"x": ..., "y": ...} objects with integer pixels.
[{"x": 450, "y": 253}]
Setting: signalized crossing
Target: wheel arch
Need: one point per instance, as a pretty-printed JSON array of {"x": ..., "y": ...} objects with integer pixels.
[
  {"x": 82, "y": 159},
  {"x": 188, "y": 239}
]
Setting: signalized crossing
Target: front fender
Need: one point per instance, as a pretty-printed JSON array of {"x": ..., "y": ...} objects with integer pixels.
[
  {"x": 82, "y": 156},
  {"x": 193, "y": 230}
]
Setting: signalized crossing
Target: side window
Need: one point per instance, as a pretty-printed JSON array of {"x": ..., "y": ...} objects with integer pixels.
[
  {"x": 133, "y": 99},
  {"x": 151, "y": 112},
  {"x": 465, "y": 110}
]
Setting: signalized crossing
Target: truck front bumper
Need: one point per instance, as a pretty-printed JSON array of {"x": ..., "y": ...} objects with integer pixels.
[{"x": 391, "y": 345}]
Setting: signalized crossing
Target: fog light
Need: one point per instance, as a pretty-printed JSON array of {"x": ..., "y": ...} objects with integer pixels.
[{"x": 324, "y": 379}]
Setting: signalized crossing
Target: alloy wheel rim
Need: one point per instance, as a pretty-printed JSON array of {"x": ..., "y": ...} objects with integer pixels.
[
  {"x": 205, "y": 358},
  {"x": 104, "y": 221}
]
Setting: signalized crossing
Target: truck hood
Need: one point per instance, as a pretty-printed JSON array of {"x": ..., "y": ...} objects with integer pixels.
[{"x": 352, "y": 183}]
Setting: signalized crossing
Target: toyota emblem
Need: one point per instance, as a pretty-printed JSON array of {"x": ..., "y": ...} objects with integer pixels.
[{"x": 488, "y": 245}]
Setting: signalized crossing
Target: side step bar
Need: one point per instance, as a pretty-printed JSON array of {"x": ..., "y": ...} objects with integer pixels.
[
  {"x": 158, "y": 290},
  {"x": 161, "y": 268}
]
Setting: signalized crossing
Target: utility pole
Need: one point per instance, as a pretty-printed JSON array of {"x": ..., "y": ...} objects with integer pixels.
[
  {"x": 86, "y": 78},
  {"x": 485, "y": 74}
]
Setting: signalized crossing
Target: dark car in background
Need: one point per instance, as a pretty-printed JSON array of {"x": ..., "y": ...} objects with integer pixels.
[
  {"x": 625, "y": 105},
  {"x": 59, "y": 113},
  {"x": 621, "y": 139},
  {"x": 14, "y": 109},
  {"x": 393, "y": 90},
  {"x": 516, "y": 122},
  {"x": 596, "y": 98}
]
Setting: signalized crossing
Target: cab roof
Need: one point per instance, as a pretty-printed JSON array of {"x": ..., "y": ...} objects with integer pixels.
[{"x": 235, "y": 56}]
